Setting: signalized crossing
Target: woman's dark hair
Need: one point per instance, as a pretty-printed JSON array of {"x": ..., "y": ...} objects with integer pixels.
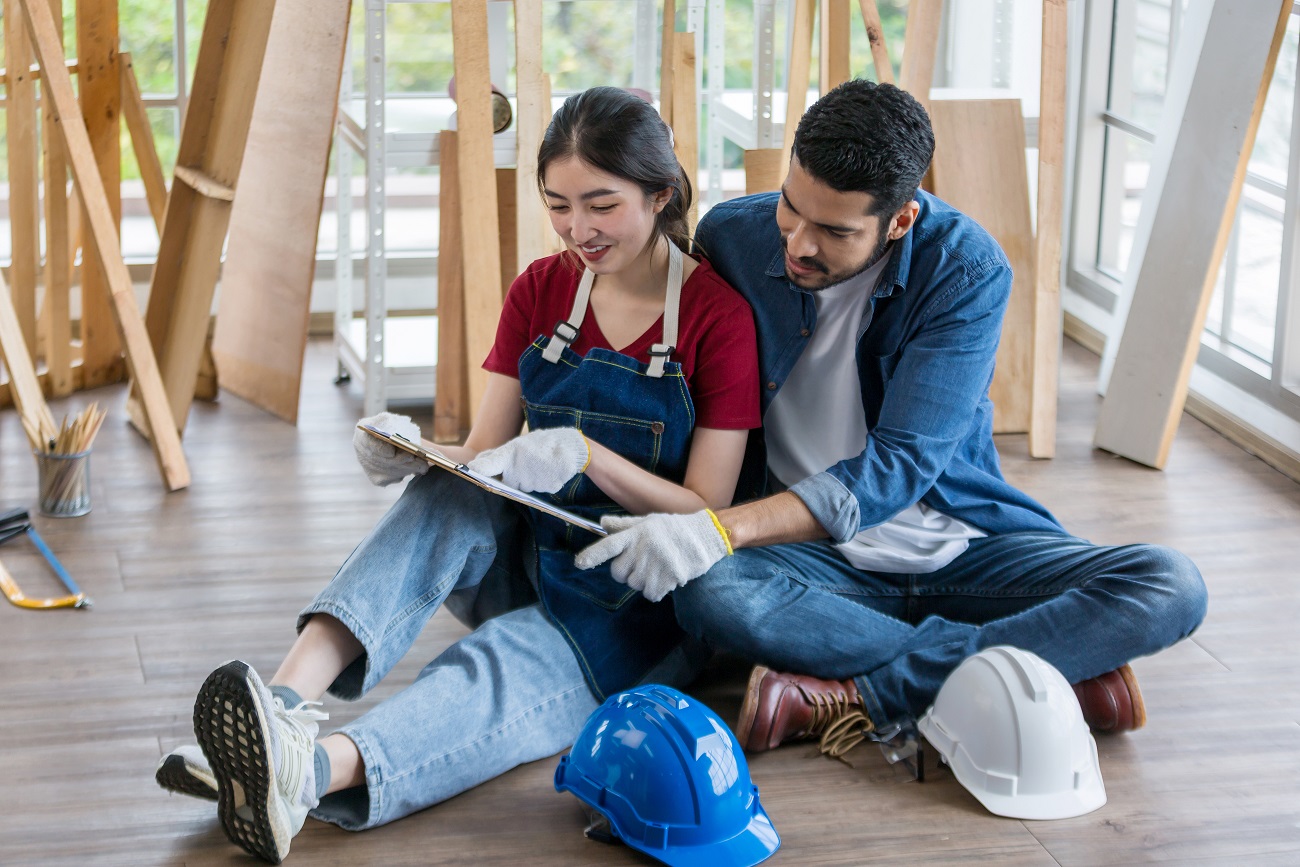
[
  {"x": 622, "y": 135},
  {"x": 864, "y": 137}
]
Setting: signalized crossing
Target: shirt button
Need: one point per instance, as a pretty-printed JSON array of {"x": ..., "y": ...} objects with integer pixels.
[
  {"x": 771, "y": 386},
  {"x": 804, "y": 332}
]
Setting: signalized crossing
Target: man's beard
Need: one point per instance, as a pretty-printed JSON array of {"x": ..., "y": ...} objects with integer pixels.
[{"x": 882, "y": 247}]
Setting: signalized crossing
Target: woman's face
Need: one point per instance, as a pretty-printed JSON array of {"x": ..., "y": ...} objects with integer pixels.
[{"x": 605, "y": 219}]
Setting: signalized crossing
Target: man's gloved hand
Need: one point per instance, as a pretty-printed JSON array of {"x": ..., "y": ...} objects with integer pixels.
[
  {"x": 385, "y": 464},
  {"x": 540, "y": 460},
  {"x": 658, "y": 553}
]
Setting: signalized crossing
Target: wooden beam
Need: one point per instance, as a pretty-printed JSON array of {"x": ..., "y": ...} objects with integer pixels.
[
  {"x": 531, "y": 119},
  {"x": 508, "y": 220},
  {"x": 25, "y": 388},
  {"x": 477, "y": 176},
  {"x": 666, "y": 61},
  {"x": 920, "y": 45},
  {"x": 798, "y": 72},
  {"x": 208, "y": 162},
  {"x": 103, "y": 239},
  {"x": 265, "y": 302},
  {"x": 979, "y": 168},
  {"x": 99, "y": 88},
  {"x": 24, "y": 205},
  {"x": 876, "y": 38},
  {"x": 6, "y": 387},
  {"x": 1048, "y": 234},
  {"x": 834, "y": 55},
  {"x": 451, "y": 387},
  {"x": 686, "y": 116},
  {"x": 1189, "y": 229},
  {"x": 56, "y": 311},
  {"x": 142, "y": 143}
]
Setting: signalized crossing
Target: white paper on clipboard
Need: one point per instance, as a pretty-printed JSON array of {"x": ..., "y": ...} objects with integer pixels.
[{"x": 487, "y": 483}]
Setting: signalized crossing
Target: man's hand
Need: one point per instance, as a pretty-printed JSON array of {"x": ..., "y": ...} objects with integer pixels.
[
  {"x": 540, "y": 460},
  {"x": 656, "y": 554},
  {"x": 385, "y": 464}
]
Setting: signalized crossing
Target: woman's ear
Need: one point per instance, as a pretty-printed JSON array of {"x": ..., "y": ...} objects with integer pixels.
[{"x": 660, "y": 200}]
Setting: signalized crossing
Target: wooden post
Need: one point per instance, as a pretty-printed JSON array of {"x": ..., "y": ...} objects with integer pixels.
[
  {"x": 1048, "y": 233},
  {"x": 666, "y": 62},
  {"x": 102, "y": 238},
  {"x": 920, "y": 44},
  {"x": 56, "y": 311},
  {"x": 979, "y": 168},
  {"x": 798, "y": 72},
  {"x": 876, "y": 38},
  {"x": 531, "y": 119},
  {"x": 451, "y": 389},
  {"x": 686, "y": 124},
  {"x": 99, "y": 87},
  {"x": 477, "y": 175},
  {"x": 24, "y": 209},
  {"x": 834, "y": 57},
  {"x": 1189, "y": 229}
]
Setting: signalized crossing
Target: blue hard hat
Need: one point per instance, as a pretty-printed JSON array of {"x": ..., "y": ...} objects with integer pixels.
[{"x": 668, "y": 775}]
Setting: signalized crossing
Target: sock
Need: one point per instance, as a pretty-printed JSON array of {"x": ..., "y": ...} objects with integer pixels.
[
  {"x": 290, "y": 698},
  {"x": 322, "y": 762}
]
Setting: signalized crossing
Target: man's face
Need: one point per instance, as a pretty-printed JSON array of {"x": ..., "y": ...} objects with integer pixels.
[{"x": 830, "y": 236}]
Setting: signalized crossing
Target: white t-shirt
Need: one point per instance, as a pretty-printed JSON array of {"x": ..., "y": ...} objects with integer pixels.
[{"x": 817, "y": 420}]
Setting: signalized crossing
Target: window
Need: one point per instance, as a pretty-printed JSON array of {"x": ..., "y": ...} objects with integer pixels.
[{"x": 1128, "y": 51}]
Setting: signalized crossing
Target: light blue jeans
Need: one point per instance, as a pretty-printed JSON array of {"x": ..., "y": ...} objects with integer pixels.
[
  {"x": 510, "y": 692},
  {"x": 1085, "y": 609}
]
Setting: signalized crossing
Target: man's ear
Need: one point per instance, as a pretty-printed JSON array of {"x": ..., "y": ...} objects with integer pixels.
[{"x": 901, "y": 223}]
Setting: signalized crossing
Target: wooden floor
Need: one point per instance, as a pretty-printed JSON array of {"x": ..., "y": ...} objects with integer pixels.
[{"x": 90, "y": 699}]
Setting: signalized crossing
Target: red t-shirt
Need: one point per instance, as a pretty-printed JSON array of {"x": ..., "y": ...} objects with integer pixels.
[{"x": 716, "y": 346}]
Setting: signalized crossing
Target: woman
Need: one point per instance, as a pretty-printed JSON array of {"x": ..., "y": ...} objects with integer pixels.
[{"x": 640, "y": 400}]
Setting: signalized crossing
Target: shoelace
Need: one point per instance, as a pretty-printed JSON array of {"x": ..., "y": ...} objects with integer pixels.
[
  {"x": 290, "y": 762},
  {"x": 844, "y": 734}
]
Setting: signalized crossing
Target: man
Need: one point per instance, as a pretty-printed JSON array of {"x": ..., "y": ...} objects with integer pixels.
[{"x": 888, "y": 547}]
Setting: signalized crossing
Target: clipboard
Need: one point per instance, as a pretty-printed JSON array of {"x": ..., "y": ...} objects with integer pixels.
[{"x": 487, "y": 483}]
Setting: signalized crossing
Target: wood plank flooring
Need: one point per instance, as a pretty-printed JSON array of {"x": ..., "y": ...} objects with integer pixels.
[{"x": 90, "y": 699}]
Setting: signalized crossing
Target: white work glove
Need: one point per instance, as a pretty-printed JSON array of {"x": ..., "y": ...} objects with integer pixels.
[
  {"x": 540, "y": 460},
  {"x": 385, "y": 464},
  {"x": 658, "y": 553}
]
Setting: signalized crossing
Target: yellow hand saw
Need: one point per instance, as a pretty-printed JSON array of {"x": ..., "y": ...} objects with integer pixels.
[{"x": 15, "y": 523}]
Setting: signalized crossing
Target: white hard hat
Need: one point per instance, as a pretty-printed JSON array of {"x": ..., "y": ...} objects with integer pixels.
[{"x": 1009, "y": 726}]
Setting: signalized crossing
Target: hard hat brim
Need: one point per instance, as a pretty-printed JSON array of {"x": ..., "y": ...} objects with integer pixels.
[{"x": 753, "y": 845}]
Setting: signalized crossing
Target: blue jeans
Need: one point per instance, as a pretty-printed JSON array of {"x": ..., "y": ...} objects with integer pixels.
[
  {"x": 1085, "y": 609},
  {"x": 510, "y": 692}
]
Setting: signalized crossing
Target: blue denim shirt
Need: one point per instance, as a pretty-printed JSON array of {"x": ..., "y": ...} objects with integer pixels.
[{"x": 925, "y": 357}]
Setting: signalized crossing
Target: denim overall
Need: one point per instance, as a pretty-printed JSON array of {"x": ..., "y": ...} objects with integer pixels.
[{"x": 643, "y": 412}]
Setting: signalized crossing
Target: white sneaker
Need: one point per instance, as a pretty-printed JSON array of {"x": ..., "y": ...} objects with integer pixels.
[
  {"x": 262, "y": 755},
  {"x": 185, "y": 771}
]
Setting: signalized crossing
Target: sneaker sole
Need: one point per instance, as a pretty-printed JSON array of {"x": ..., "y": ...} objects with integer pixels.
[
  {"x": 749, "y": 709},
  {"x": 175, "y": 775},
  {"x": 233, "y": 731}
]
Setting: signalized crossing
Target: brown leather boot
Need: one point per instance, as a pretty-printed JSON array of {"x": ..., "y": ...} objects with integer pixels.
[
  {"x": 780, "y": 708},
  {"x": 1112, "y": 702}
]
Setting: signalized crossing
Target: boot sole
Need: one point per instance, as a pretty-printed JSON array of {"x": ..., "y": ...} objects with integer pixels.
[
  {"x": 233, "y": 731},
  {"x": 175, "y": 775},
  {"x": 749, "y": 710},
  {"x": 1135, "y": 696}
]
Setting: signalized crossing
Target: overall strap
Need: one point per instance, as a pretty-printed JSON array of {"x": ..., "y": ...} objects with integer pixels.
[
  {"x": 660, "y": 352},
  {"x": 566, "y": 330}
]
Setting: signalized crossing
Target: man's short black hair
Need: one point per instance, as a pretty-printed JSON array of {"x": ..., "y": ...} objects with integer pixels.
[{"x": 865, "y": 137}]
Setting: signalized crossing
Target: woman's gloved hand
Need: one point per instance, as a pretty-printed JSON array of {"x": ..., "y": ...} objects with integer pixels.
[
  {"x": 386, "y": 464},
  {"x": 540, "y": 460},
  {"x": 658, "y": 553}
]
